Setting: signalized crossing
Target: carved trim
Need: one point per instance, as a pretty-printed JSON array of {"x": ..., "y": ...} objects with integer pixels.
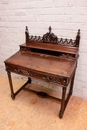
[
  {"x": 24, "y": 49},
  {"x": 36, "y": 38},
  {"x": 50, "y": 37},
  {"x": 66, "y": 56},
  {"x": 59, "y": 80}
]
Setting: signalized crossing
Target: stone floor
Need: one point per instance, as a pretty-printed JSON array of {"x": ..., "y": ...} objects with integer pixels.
[{"x": 31, "y": 112}]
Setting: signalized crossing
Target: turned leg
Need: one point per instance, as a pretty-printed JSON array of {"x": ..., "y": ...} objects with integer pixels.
[
  {"x": 62, "y": 102},
  {"x": 11, "y": 85},
  {"x": 71, "y": 85}
]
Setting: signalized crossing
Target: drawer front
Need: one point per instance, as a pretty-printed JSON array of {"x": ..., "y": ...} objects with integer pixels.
[{"x": 39, "y": 75}]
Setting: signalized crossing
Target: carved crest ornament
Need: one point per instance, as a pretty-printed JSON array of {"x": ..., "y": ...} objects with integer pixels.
[{"x": 50, "y": 37}]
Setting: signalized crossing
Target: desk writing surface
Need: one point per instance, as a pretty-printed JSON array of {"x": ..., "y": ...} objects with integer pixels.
[{"x": 48, "y": 65}]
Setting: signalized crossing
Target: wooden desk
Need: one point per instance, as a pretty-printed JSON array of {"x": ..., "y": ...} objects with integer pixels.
[{"x": 47, "y": 61}]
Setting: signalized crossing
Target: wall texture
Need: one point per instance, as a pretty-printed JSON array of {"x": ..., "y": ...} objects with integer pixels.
[{"x": 64, "y": 16}]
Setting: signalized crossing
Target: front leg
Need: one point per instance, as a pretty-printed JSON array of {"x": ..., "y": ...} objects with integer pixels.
[
  {"x": 71, "y": 85},
  {"x": 11, "y": 85},
  {"x": 62, "y": 102}
]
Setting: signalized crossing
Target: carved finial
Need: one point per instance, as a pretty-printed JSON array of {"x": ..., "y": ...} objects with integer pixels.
[
  {"x": 26, "y": 30},
  {"x": 78, "y": 33},
  {"x": 78, "y": 38},
  {"x": 26, "y": 27},
  {"x": 50, "y": 29},
  {"x": 50, "y": 37},
  {"x": 27, "y": 34}
]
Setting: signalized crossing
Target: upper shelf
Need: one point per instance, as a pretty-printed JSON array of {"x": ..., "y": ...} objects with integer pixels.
[
  {"x": 50, "y": 44},
  {"x": 51, "y": 47}
]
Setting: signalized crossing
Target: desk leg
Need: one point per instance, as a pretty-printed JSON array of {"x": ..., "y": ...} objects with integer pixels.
[
  {"x": 71, "y": 85},
  {"x": 70, "y": 90},
  {"x": 62, "y": 102},
  {"x": 11, "y": 85},
  {"x": 13, "y": 94}
]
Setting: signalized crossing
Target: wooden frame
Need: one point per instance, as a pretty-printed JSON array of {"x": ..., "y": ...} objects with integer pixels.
[{"x": 35, "y": 57}]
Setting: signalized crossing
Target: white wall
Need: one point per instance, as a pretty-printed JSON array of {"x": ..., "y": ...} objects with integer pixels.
[{"x": 64, "y": 16}]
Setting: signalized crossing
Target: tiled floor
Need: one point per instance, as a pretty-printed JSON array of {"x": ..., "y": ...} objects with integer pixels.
[{"x": 30, "y": 112}]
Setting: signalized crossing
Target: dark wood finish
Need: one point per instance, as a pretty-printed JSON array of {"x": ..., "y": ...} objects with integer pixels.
[
  {"x": 46, "y": 58},
  {"x": 52, "y": 38}
]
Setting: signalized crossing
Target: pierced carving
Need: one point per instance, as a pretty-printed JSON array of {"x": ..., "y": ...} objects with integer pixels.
[
  {"x": 67, "y": 42},
  {"x": 50, "y": 37},
  {"x": 58, "y": 79},
  {"x": 35, "y": 38}
]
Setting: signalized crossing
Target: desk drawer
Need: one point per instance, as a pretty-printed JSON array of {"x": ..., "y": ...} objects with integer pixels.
[{"x": 39, "y": 75}]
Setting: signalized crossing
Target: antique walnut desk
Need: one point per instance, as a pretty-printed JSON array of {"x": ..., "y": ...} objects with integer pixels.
[{"x": 46, "y": 58}]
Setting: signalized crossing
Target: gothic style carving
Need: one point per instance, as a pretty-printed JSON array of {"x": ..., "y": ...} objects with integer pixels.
[
  {"x": 40, "y": 53},
  {"x": 61, "y": 56},
  {"x": 27, "y": 34},
  {"x": 35, "y": 38},
  {"x": 67, "y": 56},
  {"x": 58, "y": 80},
  {"x": 77, "y": 39},
  {"x": 24, "y": 49},
  {"x": 52, "y": 38}
]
